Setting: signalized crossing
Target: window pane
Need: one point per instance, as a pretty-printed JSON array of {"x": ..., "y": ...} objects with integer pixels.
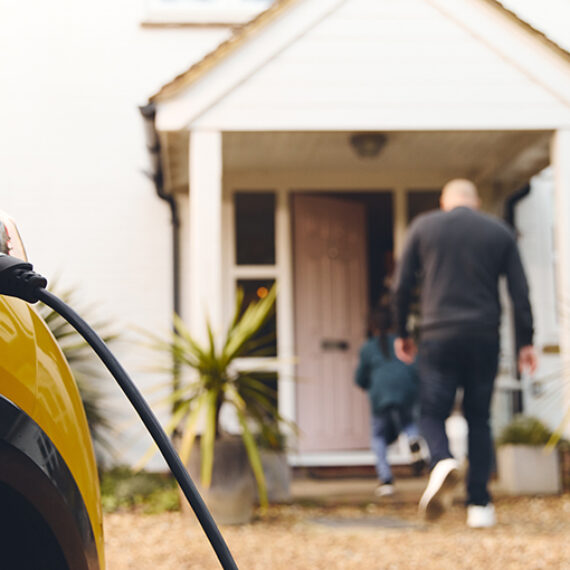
[
  {"x": 270, "y": 435},
  {"x": 269, "y": 379},
  {"x": 264, "y": 343},
  {"x": 255, "y": 228},
  {"x": 420, "y": 201}
]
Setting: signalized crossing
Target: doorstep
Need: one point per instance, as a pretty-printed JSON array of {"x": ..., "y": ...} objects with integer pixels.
[{"x": 359, "y": 490}]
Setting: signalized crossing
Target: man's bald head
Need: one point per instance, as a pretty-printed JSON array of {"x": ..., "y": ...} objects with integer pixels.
[{"x": 459, "y": 192}]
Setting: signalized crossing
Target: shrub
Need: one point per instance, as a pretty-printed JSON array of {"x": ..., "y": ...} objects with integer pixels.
[
  {"x": 122, "y": 488},
  {"x": 524, "y": 430}
]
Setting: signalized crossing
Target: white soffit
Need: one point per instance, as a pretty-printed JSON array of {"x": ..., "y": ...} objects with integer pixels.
[{"x": 378, "y": 65}]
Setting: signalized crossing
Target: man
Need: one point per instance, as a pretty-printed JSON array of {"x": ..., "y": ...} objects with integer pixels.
[{"x": 457, "y": 256}]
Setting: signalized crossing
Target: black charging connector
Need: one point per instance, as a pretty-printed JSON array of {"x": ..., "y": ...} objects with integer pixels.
[{"x": 18, "y": 279}]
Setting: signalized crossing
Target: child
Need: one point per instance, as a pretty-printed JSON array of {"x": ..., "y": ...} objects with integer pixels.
[{"x": 392, "y": 388}]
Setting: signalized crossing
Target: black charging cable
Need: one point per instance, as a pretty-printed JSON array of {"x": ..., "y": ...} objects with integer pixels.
[{"x": 18, "y": 279}]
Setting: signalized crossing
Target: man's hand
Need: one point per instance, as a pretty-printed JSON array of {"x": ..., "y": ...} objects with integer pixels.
[
  {"x": 405, "y": 349},
  {"x": 528, "y": 360}
]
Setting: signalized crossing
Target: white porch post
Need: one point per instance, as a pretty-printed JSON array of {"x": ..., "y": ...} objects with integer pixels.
[
  {"x": 205, "y": 231},
  {"x": 285, "y": 322},
  {"x": 561, "y": 165},
  {"x": 400, "y": 211}
]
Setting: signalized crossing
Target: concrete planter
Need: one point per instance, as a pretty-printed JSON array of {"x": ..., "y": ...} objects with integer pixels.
[
  {"x": 527, "y": 470},
  {"x": 277, "y": 473},
  {"x": 231, "y": 496}
]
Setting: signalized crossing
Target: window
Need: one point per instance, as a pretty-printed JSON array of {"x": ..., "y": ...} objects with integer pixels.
[
  {"x": 255, "y": 228},
  {"x": 253, "y": 267},
  {"x": 420, "y": 201},
  {"x": 203, "y": 11}
]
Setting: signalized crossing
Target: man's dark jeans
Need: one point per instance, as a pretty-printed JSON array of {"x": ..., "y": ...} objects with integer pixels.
[{"x": 444, "y": 365}]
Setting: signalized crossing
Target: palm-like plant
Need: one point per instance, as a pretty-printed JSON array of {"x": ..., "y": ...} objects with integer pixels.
[
  {"x": 85, "y": 368},
  {"x": 216, "y": 381}
]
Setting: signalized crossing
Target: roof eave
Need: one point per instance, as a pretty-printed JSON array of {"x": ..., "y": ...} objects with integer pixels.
[{"x": 224, "y": 50}]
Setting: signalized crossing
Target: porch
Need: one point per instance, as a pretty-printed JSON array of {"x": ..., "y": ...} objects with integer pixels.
[{"x": 241, "y": 230}]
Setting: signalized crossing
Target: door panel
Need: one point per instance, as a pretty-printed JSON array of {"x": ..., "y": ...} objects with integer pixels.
[{"x": 330, "y": 312}]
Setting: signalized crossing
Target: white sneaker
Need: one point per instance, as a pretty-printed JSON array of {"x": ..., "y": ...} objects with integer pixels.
[
  {"x": 384, "y": 490},
  {"x": 439, "y": 492},
  {"x": 481, "y": 517}
]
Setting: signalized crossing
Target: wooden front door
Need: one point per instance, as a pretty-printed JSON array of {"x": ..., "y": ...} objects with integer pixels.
[{"x": 330, "y": 320}]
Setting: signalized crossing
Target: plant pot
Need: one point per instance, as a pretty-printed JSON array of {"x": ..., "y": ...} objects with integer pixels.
[
  {"x": 528, "y": 470},
  {"x": 277, "y": 473},
  {"x": 232, "y": 493}
]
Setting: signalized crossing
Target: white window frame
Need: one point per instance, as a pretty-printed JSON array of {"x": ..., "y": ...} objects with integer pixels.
[
  {"x": 283, "y": 364},
  {"x": 203, "y": 12}
]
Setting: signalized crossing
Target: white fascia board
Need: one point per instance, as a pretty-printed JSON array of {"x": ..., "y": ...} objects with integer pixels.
[
  {"x": 181, "y": 110},
  {"x": 528, "y": 54}
]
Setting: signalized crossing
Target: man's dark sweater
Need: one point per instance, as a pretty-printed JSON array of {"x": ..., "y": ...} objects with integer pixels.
[{"x": 461, "y": 254}]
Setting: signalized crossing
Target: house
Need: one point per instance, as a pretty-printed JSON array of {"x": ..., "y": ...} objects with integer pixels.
[
  {"x": 330, "y": 124},
  {"x": 298, "y": 150}
]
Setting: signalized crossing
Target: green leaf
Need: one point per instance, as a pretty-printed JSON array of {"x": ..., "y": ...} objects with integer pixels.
[
  {"x": 208, "y": 438},
  {"x": 558, "y": 432},
  {"x": 169, "y": 429},
  {"x": 237, "y": 309},
  {"x": 189, "y": 433},
  {"x": 190, "y": 345},
  {"x": 247, "y": 380},
  {"x": 248, "y": 325},
  {"x": 265, "y": 404},
  {"x": 254, "y": 457},
  {"x": 211, "y": 341}
]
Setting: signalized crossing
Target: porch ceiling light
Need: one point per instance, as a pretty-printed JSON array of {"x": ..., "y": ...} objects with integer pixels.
[{"x": 367, "y": 145}]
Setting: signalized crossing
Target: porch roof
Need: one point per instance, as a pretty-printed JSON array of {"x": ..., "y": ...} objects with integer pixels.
[
  {"x": 290, "y": 87},
  {"x": 243, "y": 33},
  {"x": 330, "y": 65}
]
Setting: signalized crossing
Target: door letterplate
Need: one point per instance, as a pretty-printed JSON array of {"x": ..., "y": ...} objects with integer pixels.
[{"x": 334, "y": 344}]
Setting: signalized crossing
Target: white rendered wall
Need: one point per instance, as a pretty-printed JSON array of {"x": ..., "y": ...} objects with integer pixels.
[{"x": 72, "y": 155}]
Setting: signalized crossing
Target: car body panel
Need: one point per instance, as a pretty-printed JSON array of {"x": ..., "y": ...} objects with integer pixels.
[
  {"x": 37, "y": 484},
  {"x": 36, "y": 379}
]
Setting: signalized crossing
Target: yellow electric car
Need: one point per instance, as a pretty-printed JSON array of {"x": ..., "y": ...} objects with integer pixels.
[{"x": 50, "y": 508}]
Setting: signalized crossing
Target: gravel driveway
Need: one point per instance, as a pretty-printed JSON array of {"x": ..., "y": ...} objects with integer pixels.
[{"x": 532, "y": 533}]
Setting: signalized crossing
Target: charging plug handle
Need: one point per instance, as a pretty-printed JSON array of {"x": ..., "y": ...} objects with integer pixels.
[{"x": 18, "y": 279}]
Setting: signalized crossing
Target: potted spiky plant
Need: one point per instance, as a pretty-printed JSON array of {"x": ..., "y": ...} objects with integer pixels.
[
  {"x": 524, "y": 464},
  {"x": 210, "y": 381}
]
